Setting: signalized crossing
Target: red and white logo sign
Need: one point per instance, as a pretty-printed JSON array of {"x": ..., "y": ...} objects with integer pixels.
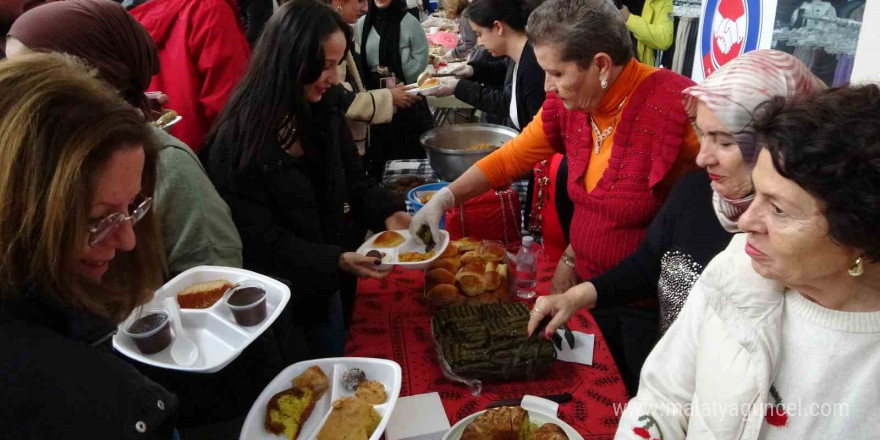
[{"x": 731, "y": 28}]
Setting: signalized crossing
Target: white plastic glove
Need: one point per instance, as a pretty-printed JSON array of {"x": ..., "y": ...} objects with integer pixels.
[
  {"x": 447, "y": 86},
  {"x": 463, "y": 71},
  {"x": 431, "y": 213}
]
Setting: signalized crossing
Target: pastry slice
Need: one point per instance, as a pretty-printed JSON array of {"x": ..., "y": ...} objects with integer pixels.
[
  {"x": 202, "y": 295},
  {"x": 314, "y": 379},
  {"x": 288, "y": 410}
]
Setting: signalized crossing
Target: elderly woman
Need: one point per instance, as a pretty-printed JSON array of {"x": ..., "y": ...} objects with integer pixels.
[
  {"x": 627, "y": 139},
  {"x": 790, "y": 311},
  {"x": 697, "y": 221},
  {"x": 79, "y": 250},
  {"x": 196, "y": 223}
]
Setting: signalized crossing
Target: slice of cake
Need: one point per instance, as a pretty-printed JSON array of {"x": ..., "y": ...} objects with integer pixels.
[
  {"x": 288, "y": 410},
  {"x": 314, "y": 379},
  {"x": 202, "y": 295}
]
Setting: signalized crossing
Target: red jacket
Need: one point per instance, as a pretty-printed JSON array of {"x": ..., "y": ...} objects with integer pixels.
[{"x": 203, "y": 55}]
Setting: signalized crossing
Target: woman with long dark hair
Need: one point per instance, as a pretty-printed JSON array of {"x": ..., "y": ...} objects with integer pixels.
[
  {"x": 283, "y": 158},
  {"x": 393, "y": 43}
]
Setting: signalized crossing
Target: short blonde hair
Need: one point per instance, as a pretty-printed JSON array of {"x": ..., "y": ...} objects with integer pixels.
[{"x": 60, "y": 126}]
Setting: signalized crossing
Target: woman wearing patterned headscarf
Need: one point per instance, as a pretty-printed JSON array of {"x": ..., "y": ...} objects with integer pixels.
[
  {"x": 699, "y": 218},
  {"x": 196, "y": 224}
]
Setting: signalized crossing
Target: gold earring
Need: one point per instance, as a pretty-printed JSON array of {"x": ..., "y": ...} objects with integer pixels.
[
  {"x": 338, "y": 9},
  {"x": 603, "y": 82},
  {"x": 857, "y": 268}
]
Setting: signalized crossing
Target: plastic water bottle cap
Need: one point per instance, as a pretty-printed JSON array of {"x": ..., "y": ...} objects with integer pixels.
[{"x": 528, "y": 240}]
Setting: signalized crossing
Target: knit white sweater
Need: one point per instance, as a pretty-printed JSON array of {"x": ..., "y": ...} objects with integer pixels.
[
  {"x": 741, "y": 345},
  {"x": 817, "y": 401}
]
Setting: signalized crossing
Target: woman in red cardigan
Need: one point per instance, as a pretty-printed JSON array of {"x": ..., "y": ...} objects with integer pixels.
[{"x": 627, "y": 140}]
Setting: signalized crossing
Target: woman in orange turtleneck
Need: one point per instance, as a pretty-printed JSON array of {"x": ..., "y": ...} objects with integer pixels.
[{"x": 627, "y": 140}]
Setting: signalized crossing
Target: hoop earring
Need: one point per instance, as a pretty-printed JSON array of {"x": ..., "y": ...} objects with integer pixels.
[
  {"x": 603, "y": 82},
  {"x": 857, "y": 268}
]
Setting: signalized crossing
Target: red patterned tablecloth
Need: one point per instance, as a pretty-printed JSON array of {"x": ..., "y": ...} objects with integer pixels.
[{"x": 391, "y": 322}]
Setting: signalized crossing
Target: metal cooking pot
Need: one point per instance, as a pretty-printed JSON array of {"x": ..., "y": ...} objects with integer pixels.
[{"x": 446, "y": 146}]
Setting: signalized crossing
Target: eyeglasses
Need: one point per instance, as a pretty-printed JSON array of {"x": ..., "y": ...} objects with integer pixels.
[{"x": 101, "y": 229}]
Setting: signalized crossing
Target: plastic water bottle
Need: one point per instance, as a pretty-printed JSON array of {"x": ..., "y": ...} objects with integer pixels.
[{"x": 526, "y": 268}]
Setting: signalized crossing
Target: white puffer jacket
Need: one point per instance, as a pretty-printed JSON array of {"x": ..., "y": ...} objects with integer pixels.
[{"x": 709, "y": 376}]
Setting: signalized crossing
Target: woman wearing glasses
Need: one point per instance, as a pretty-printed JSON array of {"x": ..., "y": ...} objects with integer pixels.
[
  {"x": 196, "y": 224},
  {"x": 79, "y": 250}
]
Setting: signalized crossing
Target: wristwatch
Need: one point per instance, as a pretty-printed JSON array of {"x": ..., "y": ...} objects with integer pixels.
[{"x": 567, "y": 259}]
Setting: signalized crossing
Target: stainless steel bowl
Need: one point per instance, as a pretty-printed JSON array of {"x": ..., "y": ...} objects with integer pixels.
[{"x": 446, "y": 146}]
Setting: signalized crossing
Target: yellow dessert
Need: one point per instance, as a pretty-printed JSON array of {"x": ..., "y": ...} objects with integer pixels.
[{"x": 288, "y": 410}]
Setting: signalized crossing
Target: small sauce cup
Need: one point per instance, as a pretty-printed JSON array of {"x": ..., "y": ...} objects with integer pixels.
[
  {"x": 151, "y": 332},
  {"x": 248, "y": 303}
]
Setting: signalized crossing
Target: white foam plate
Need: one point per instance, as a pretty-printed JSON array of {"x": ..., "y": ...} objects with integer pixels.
[
  {"x": 381, "y": 370},
  {"x": 413, "y": 89},
  {"x": 410, "y": 245},
  {"x": 541, "y": 411},
  {"x": 219, "y": 338},
  {"x": 449, "y": 67}
]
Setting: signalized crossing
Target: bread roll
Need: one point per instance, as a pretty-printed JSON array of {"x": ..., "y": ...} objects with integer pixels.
[
  {"x": 468, "y": 244},
  {"x": 438, "y": 276},
  {"x": 388, "y": 239},
  {"x": 450, "y": 252},
  {"x": 476, "y": 268},
  {"x": 491, "y": 251},
  {"x": 471, "y": 284},
  {"x": 492, "y": 279},
  {"x": 471, "y": 258},
  {"x": 450, "y": 264},
  {"x": 444, "y": 292}
]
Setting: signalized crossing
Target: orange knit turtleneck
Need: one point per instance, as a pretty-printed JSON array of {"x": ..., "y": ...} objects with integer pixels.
[{"x": 518, "y": 156}]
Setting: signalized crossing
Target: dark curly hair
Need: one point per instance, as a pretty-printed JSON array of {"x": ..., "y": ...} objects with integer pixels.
[{"x": 829, "y": 144}]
